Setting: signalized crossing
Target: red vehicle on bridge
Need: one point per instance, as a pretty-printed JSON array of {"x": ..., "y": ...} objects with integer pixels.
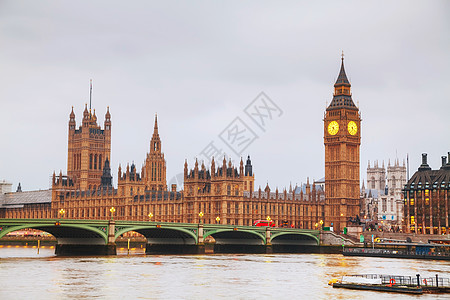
[{"x": 264, "y": 223}]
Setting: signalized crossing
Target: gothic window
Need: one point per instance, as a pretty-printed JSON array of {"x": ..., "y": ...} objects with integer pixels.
[
  {"x": 90, "y": 161},
  {"x": 229, "y": 190},
  {"x": 95, "y": 162},
  {"x": 100, "y": 166}
]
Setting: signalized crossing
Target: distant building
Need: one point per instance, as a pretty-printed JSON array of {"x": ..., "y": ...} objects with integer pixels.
[
  {"x": 427, "y": 199},
  {"x": 5, "y": 187},
  {"x": 383, "y": 197}
]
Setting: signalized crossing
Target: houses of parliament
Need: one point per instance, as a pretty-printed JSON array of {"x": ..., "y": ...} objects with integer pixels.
[{"x": 220, "y": 193}]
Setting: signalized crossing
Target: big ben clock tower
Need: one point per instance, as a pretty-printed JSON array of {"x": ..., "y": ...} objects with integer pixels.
[{"x": 342, "y": 138}]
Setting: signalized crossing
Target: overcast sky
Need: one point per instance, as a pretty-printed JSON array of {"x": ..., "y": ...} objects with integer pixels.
[{"x": 199, "y": 64}]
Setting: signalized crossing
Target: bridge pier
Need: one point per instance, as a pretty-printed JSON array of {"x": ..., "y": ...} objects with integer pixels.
[{"x": 268, "y": 246}]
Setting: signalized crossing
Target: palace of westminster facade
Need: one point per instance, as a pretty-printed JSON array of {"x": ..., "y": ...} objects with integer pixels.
[{"x": 219, "y": 193}]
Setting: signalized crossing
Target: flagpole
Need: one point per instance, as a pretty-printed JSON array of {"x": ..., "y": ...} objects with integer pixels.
[{"x": 90, "y": 96}]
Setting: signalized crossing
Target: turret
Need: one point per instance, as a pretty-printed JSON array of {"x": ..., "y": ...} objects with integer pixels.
[
  {"x": 107, "y": 120},
  {"x": 241, "y": 168},
  {"x": 85, "y": 116},
  {"x": 72, "y": 122},
  {"x": 106, "y": 179},
  {"x": 213, "y": 167}
]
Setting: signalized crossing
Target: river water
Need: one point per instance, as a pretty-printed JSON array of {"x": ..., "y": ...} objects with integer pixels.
[{"x": 24, "y": 274}]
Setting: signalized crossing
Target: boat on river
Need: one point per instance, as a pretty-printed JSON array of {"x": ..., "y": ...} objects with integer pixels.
[
  {"x": 393, "y": 283},
  {"x": 402, "y": 250}
]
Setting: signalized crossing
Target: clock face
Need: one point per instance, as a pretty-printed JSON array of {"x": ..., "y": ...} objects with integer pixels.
[
  {"x": 333, "y": 127},
  {"x": 352, "y": 128}
]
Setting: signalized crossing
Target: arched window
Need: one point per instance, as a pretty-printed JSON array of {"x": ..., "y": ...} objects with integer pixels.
[
  {"x": 100, "y": 165},
  {"x": 95, "y": 162},
  {"x": 90, "y": 161}
]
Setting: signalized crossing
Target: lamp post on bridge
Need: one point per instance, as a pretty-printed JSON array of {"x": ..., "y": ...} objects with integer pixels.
[
  {"x": 218, "y": 220},
  {"x": 112, "y": 210},
  {"x": 200, "y": 217},
  {"x": 321, "y": 224},
  {"x": 61, "y": 213},
  {"x": 150, "y": 216}
]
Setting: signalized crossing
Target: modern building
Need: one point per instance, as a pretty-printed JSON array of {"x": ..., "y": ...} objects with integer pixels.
[
  {"x": 427, "y": 197},
  {"x": 342, "y": 139}
]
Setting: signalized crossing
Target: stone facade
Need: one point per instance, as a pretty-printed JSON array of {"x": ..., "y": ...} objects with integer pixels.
[
  {"x": 383, "y": 198},
  {"x": 222, "y": 195},
  {"x": 88, "y": 148},
  {"x": 342, "y": 139}
]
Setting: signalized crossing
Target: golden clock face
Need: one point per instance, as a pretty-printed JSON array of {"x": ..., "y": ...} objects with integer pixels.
[
  {"x": 333, "y": 127},
  {"x": 352, "y": 128}
]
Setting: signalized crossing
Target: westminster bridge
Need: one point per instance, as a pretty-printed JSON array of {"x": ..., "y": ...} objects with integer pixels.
[{"x": 92, "y": 237}]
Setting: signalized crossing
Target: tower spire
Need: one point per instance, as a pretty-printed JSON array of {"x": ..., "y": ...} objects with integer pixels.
[
  {"x": 342, "y": 97},
  {"x": 156, "y": 124},
  {"x": 342, "y": 78}
]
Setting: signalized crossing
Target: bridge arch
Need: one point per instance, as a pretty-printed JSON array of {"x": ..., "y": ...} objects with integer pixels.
[
  {"x": 294, "y": 238},
  {"x": 232, "y": 236},
  {"x": 163, "y": 235},
  {"x": 63, "y": 231}
]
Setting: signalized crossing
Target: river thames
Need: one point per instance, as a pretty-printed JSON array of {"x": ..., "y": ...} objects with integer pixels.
[{"x": 24, "y": 274}]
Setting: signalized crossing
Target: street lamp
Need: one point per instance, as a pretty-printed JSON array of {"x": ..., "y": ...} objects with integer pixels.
[
  {"x": 218, "y": 220},
  {"x": 321, "y": 224},
  {"x": 150, "y": 216},
  {"x": 62, "y": 212},
  {"x": 201, "y": 216},
  {"x": 112, "y": 210},
  {"x": 268, "y": 218}
]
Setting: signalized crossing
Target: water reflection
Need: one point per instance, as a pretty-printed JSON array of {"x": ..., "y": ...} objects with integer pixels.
[{"x": 24, "y": 273}]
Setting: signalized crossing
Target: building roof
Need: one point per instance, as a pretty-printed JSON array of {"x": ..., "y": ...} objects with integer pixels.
[
  {"x": 426, "y": 178},
  {"x": 17, "y": 200},
  {"x": 342, "y": 100},
  {"x": 342, "y": 78}
]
